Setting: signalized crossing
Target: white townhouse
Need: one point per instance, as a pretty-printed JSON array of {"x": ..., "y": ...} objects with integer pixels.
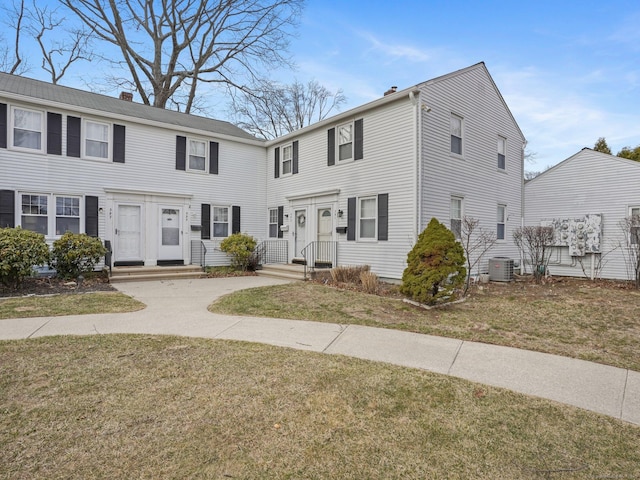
[
  {"x": 585, "y": 198},
  {"x": 162, "y": 187}
]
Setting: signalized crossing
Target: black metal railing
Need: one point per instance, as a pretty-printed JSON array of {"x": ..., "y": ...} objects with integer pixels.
[
  {"x": 271, "y": 251},
  {"x": 319, "y": 255},
  {"x": 198, "y": 253}
]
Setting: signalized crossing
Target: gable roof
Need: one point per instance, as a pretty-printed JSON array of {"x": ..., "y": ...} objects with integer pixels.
[{"x": 65, "y": 96}]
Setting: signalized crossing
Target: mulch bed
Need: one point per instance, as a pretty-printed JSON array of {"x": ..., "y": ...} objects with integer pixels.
[{"x": 51, "y": 286}]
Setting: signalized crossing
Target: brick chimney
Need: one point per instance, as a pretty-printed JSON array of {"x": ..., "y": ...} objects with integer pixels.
[
  {"x": 390, "y": 91},
  {"x": 126, "y": 96}
]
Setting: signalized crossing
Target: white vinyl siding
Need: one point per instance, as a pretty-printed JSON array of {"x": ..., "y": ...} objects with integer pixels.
[
  {"x": 96, "y": 140},
  {"x": 28, "y": 128}
]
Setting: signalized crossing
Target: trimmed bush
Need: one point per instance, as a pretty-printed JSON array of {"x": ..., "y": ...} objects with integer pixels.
[
  {"x": 435, "y": 266},
  {"x": 20, "y": 251},
  {"x": 239, "y": 247},
  {"x": 76, "y": 253}
]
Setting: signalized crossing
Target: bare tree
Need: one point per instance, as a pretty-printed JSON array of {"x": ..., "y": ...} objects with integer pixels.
[
  {"x": 476, "y": 242},
  {"x": 535, "y": 242},
  {"x": 269, "y": 109},
  {"x": 630, "y": 246},
  {"x": 57, "y": 55},
  {"x": 10, "y": 57},
  {"x": 170, "y": 48}
]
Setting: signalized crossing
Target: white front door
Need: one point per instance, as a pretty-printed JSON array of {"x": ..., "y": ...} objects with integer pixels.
[
  {"x": 325, "y": 235},
  {"x": 300, "y": 232},
  {"x": 128, "y": 247},
  {"x": 170, "y": 247}
]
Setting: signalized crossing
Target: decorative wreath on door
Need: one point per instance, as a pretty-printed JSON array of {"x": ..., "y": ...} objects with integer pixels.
[{"x": 301, "y": 220}]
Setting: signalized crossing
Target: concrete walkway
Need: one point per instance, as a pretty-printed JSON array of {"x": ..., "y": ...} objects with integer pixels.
[{"x": 179, "y": 307}]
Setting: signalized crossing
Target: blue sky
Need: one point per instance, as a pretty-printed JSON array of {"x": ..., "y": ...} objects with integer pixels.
[{"x": 569, "y": 70}]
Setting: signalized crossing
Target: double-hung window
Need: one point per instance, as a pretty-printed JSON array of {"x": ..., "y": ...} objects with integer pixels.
[
  {"x": 287, "y": 160},
  {"x": 273, "y": 222},
  {"x": 456, "y": 134},
  {"x": 28, "y": 126},
  {"x": 67, "y": 215},
  {"x": 502, "y": 153},
  {"x": 368, "y": 218},
  {"x": 345, "y": 142},
  {"x": 96, "y": 140},
  {"x": 456, "y": 216},
  {"x": 35, "y": 211},
  {"x": 197, "y": 155},
  {"x": 220, "y": 221},
  {"x": 634, "y": 213},
  {"x": 501, "y": 221}
]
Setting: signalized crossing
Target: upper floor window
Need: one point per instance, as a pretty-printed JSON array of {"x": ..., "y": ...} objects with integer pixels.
[
  {"x": 287, "y": 160},
  {"x": 456, "y": 134},
  {"x": 273, "y": 222},
  {"x": 345, "y": 142},
  {"x": 28, "y": 126},
  {"x": 502, "y": 153},
  {"x": 456, "y": 216},
  {"x": 368, "y": 216},
  {"x": 634, "y": 213},
  {"x": 96, "y": 140},
  {"x": 501, "y": 221},
  {"x": 197, "y": 155},
  {"x": 220, "y": 221}
]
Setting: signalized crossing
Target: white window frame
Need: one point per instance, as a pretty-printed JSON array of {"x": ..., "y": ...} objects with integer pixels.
[
  {"x": 286, "y": 159},
  {"x": 456, "y": 228},
  {"x": 350, "y": 126},
  {"x": 85, "y": 139},
  {"x": 189, "y": 154},
  {"x": 215, "y": 222},
  {"x": 52, "y": 216},
  {"x": 501, "y": 219},
  {"x": 451, "y": 134},
  {"x": 273, "y": 221},
  {"x": 374, "y": 218},
  {"x": 634, "y": 234},
  {"x": 41, "y": 132},
  {"x": 502, "y": 145},
  {"x": 39, "y": 206}
]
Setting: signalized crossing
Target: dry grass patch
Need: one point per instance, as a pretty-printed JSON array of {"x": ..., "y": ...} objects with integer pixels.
[
  {"x": 167, "y": 407},
  {"x": 571, "y": 317},
  {"x": 67, "y": 304}
]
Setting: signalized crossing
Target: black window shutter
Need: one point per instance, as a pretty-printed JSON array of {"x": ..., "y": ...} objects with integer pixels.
[
  {"x": 276, "y": 162},
  {"x": 352, "y": 210},
  {"x": 280, "y": 221},
  {"x": 181, "y": 153},
  {"x": 7, "y": 209},
  {"x": 119, "y": 141},
  {"x": 91, "y": 216},
  {"x": 54, "y": 133},
  {"x": 235, "y": 219},
  {"x": 383, "y": 216},
  {"x": 214, "y": 149},
  {"x": 295, "y": 157},
  {"x": 358, "y": 146},
  {"x": 331, "y": 146},
  {"x": 3, "y": 125},
  {"x": 205, "y": 221},
  {"x": 73, "y": 136}
]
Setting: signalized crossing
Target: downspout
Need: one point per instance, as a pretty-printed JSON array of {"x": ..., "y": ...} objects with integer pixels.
[
  {"x": 593, "y": 265},
  {"x": 523, "y": 268},
  {"x": 417, "y": 145}
]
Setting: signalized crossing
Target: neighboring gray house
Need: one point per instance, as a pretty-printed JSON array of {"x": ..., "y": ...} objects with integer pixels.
[
  {"x": 585, "y": 198},
  {"x": 354, "y": 189}
]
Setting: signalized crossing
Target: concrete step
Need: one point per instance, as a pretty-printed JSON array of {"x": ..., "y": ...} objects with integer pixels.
[
  {"x": 142, "y": 274},
  {"x": 285, "y": 271}
]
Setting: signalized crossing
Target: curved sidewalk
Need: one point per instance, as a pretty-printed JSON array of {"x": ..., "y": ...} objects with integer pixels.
[{"x": 179, "y": 307}]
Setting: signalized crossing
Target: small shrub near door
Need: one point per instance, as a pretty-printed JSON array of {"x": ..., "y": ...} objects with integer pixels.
[
  {"x": 76, "y": 253},
  {"x": 435, "y": 266},
  {"x": 239, "y": 247},
  {"x": 20, "y": 251}
]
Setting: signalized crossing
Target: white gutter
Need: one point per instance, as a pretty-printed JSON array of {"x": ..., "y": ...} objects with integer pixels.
[{"x": 417, "y": 145}]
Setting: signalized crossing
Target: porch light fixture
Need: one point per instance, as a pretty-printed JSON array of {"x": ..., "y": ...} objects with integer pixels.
[{"x": 340, "y": 213}]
